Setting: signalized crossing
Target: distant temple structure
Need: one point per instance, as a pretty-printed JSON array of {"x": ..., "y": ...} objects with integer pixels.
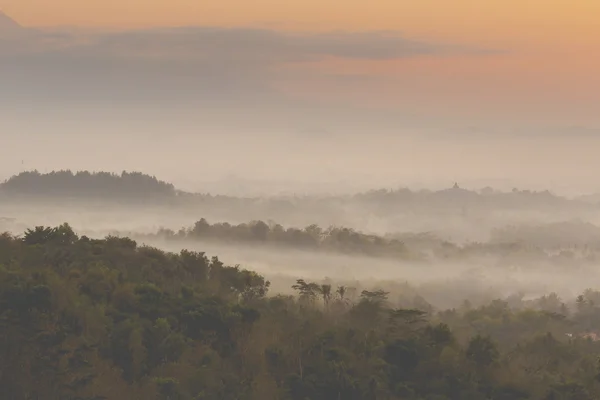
[{"x": 455, "y": 186}]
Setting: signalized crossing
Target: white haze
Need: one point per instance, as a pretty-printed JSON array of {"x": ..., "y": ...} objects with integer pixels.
[
  {"x": 238, "y": 158},
  {"x": 222, "y": 119},
  {"x": 213, "y": 109},
  {"x": 443, "y": 283}
]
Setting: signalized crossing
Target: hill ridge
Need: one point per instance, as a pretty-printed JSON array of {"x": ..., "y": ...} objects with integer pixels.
[{"x": 8, "y": 24}]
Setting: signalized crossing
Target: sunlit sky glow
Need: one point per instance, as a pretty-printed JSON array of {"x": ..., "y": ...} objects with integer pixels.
[
  {"x": 547, "y": 68},
  {"x": 506, "y": 66}
]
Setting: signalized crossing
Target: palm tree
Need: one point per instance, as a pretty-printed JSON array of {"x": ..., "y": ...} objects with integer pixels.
[
  {"x": 341, "y": 291},
  {"x": 325, "y": 291}
]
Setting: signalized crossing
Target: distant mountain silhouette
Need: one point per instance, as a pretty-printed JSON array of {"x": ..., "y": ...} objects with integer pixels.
[
  {"x": 13, "y": 36},
  {"x": 9, "y": 25},
  {"x": 84, "y": 184}
]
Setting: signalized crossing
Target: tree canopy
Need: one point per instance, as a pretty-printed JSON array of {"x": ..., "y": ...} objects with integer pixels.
[
  {"x": 84, "y": 184},
  {"x": 85, "y": 318}
]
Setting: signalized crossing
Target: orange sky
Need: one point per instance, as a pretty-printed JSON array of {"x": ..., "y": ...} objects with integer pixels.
[
  {"x": 553, "y": 45},
  {"x": 493, "y": 21}
]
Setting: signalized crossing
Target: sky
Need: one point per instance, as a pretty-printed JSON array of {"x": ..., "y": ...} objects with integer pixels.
[{"x": 438, "y": 79}]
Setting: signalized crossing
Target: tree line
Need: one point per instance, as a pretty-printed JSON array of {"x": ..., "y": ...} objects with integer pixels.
[
  {"x": 85, "y": 184},
  {"x": 85, "y": 318},
  {"x": 312, "y": 237},
  {"x": 401, "y": 246},
  {"x": 380, "y": 201}
]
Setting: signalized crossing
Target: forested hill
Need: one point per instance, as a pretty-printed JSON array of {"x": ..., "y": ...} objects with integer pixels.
[
  {"x": 108, "y": 319},
  {"x": 84, "y": 184},
  {"x": 383, "y": 202}
]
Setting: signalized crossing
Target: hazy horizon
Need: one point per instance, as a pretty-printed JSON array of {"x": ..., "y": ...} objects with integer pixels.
[
  {"x": 299, "y": 199},
  {"x": 353, "y": 109}
]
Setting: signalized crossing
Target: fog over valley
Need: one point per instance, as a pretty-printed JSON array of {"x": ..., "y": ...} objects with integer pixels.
[
  {"x": 240, "y": 159},
  {"x": 474, "y": 244},
  {"x": 200, "y": 105},
  {"x": 271, "y": 201}
]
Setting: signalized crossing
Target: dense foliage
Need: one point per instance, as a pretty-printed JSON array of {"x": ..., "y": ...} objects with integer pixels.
[
  {"x": 92, "y": 319},
  {"x": 84, "y": 184},
  {"x": 65, "y": 183},
  {"x": 312, "y": 237},
  {"x": 506, "y": 245}
]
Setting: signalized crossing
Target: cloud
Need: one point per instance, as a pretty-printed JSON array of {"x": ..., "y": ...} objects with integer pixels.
[
  {"x": 188, "y": 65},
  {"x": 259, "y": 45},
  {"x": 248, "y": 45}
]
